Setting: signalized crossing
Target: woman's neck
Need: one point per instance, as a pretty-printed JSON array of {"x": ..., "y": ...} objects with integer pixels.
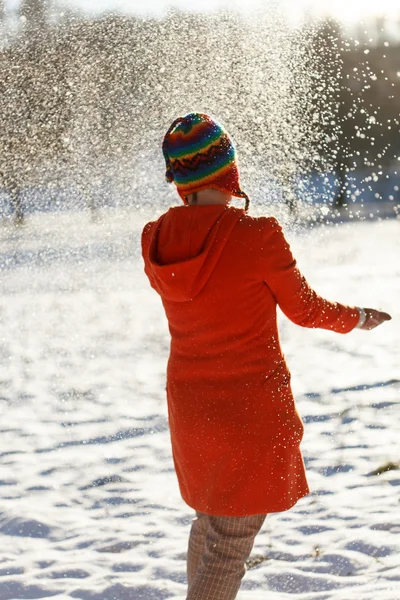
[{"x": 209, "y": 196}]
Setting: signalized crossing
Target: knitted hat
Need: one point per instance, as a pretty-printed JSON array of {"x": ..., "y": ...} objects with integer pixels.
[{"x": 199, "y": 154}]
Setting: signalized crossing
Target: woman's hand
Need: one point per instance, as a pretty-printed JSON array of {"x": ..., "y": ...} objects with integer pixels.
[{"x": 374, "y": 318}]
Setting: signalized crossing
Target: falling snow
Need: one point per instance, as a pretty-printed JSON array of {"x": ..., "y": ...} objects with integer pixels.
[{"x": 89, "y": 502}]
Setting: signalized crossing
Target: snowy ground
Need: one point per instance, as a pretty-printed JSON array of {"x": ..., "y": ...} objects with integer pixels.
[{"x": 89, "y": 504}]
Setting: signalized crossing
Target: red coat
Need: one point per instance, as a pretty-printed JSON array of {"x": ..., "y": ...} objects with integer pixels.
[{"x": 234, "y": 427}]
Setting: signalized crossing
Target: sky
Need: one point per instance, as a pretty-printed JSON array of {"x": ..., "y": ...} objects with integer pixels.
[{"x": 349, "y": 11}]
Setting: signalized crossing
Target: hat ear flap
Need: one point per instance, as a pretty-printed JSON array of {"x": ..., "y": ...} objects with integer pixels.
[{"x": 246, "y": 198}]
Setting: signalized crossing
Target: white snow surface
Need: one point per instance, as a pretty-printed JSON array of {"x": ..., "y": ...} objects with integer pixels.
[{"x": 89, "y": 502}]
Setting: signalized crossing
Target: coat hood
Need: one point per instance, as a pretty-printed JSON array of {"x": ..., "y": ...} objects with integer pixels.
[{"x": 182, "y": 248}]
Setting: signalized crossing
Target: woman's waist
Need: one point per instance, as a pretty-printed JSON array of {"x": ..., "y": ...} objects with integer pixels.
[{"x": 260, "y": 370}]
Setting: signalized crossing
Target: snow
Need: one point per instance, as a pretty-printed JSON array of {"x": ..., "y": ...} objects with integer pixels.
[{"x": 89, "y": 504}]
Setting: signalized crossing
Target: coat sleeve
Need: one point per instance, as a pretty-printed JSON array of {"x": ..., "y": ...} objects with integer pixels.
[{"x": 297, "y": 300}]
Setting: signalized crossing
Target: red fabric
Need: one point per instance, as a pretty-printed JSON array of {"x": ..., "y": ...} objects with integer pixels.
[{"x": 234, "y": 427}]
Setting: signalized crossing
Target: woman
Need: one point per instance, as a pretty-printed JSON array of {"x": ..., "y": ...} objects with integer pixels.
[{"x": 234, "y": 427}]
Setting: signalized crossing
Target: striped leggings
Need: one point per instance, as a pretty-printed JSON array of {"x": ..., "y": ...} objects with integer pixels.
[{"x": 218, "y": 550}]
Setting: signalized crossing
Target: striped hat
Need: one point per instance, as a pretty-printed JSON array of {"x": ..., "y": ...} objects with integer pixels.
[{"x": 199, "y": 154}]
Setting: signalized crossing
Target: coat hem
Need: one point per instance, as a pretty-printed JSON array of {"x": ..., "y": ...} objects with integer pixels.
[{"x": 245, "y": 513}]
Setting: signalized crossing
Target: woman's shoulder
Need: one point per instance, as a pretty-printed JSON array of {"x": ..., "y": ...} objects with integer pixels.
[
  {"x": 148, "y": 227},
  {"x": 261, "y": 233},
  {"x": 262, "y": 223}
]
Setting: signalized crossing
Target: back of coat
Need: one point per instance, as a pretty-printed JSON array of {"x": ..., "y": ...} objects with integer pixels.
[{"x": 234, "y": 427}]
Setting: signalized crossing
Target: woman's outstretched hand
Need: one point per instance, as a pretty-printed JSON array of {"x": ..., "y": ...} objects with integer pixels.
[{"x": 374, "y": 318}]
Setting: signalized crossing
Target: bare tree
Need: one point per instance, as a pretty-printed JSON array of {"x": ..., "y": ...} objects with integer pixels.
[{"x": 34, "y": 114}]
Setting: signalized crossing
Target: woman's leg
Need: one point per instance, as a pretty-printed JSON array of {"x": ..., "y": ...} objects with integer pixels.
[
  {"x": 228, "y": 544},
  {"x": 197, "y": 542}
]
